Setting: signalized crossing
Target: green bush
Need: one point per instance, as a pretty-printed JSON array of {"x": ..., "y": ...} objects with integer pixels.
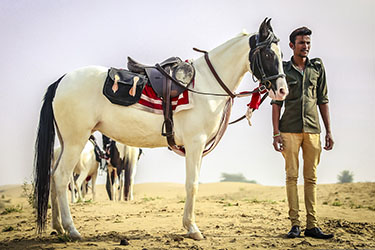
[
  {"x": 226, "y": 177},
  {"x": 9, "y": 210},
  {"x": 345, "y": 177}
]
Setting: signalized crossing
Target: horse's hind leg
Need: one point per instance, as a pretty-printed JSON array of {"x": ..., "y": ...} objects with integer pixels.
[
  {"x": 56, "y": 218},
  {"x": 61, "y": 178}
]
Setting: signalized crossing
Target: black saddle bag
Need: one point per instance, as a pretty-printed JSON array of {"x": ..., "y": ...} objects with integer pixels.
[{"x": 120, "y": 94}]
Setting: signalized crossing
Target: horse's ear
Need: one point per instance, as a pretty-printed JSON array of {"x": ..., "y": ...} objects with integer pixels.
[
  {"x": 269, "y": 24},
  {"x": 264, "y": 29}
]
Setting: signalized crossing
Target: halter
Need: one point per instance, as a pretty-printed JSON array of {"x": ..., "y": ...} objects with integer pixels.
[
  {"x": 256, "y": 60},
  {"x": 98, "y": 150}
]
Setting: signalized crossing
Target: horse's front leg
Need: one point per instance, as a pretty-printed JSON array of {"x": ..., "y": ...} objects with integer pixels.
[
  {"x": 193, "y": 165},
  {"x": 81, "y": 184},
  {"x": 72, "y": 189},
  {"x": 121, "y": 177},
  {"x": 133, "y": 170},
  {"x": 93, "y": 183}
]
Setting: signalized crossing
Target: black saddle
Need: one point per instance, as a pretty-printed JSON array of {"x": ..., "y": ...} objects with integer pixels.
[
  {"x": 179, "y": 72},
  {"x": 168, "y": 79},
  {"x": 140, "y": 68}
]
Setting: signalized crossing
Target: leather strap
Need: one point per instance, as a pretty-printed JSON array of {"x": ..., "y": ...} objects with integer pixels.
[
  {"x": 167, "y": 128},
  {"x": 219, "y": 134},
  {"x": 243, "y": 117},
  {"x": 218, "y": 79}
]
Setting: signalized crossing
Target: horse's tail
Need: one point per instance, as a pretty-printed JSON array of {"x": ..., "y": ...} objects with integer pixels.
[{"x": 44, "y": 146}]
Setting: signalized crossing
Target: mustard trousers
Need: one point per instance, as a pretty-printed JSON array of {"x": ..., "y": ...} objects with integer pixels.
[{"x": 311, "y": 150}]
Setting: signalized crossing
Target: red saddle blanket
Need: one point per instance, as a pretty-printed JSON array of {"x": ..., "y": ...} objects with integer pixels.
[{"x": 150, "y": 102}]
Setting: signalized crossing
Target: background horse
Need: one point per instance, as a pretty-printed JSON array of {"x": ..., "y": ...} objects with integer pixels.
[
  {"x": 86, "y": 169},
  {"x": 121, "y": 169},
  {"x": 76, "y": 105}
]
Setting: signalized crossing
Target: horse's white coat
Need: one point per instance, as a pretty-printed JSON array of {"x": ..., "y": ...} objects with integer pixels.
[
  {"x": 86, "y": 166},
  {"x": 80, "y": 108}
]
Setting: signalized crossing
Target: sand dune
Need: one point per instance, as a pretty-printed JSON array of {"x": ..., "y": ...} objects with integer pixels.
[{"x": 230, "y": 215}]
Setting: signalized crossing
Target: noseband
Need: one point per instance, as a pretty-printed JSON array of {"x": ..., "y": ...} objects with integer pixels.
[{"x": 256, "y": 60}]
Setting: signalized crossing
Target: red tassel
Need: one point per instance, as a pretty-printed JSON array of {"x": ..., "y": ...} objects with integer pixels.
[{"x": 255, "y": 101}]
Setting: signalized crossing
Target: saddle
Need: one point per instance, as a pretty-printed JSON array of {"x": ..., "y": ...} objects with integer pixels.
[
  {"x": 179, "y": 72},
  {"x": 168, "y": 79}
]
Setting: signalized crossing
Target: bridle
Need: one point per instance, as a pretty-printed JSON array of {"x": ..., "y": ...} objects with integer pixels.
[
  {"x": 265, "y": 84},
  {"x": 256, "y": 60},
  {"x": 221, "y": 83}
]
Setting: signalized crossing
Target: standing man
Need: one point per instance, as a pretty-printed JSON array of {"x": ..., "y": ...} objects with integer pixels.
[{"x": 299, "y": 128}]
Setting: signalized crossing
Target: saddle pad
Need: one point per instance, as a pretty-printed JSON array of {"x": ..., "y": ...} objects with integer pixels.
[
  {"x": 118, "y": 84},
  {"x": 150, "y": 102}
]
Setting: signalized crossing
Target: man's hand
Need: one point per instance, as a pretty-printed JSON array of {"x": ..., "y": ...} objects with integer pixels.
[
  {"x": 329, "y": 142},
  {"x": 278, "y": 143}
]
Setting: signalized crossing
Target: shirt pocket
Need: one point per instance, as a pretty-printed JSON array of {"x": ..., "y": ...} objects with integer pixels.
[
  {"x": 293, "y": 89},
  {"x": 313, "y": 83}
]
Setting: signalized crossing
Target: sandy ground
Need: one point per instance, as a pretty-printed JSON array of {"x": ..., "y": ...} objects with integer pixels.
[{"x": 230, "y": 215}]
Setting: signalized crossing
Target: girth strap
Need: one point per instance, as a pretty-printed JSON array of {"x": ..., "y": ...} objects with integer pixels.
[{"x": 167, "y": 128}]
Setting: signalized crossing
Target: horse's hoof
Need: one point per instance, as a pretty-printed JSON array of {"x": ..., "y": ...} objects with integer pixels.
[
  {"x": 196, "y": 236},
  {"x": 75, "y": 235},
  {"x": 59, "y": 229}
]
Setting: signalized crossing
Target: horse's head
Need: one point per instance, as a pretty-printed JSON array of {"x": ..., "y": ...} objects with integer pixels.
[{"x": 266, "y": 62}]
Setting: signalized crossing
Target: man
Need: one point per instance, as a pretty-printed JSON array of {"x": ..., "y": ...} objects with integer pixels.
[{"x": 299, "y": 128}]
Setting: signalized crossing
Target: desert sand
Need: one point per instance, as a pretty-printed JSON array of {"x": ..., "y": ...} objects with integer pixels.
[{"x": 230, "y": 216}]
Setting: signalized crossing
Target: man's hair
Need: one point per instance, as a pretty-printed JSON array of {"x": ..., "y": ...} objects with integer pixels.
[{"x": 303, "y": 31}]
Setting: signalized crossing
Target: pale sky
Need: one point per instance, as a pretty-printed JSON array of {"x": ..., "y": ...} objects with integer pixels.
[{"x": 41, "y": 40}]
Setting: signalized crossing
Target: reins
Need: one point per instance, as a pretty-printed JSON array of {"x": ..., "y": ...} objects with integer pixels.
[
  {"x": 244, "y": 116},
  {"x": 226, "y": 89},
  {"x": 255, "y": 60},
  {"x": 222, "y": 84}
]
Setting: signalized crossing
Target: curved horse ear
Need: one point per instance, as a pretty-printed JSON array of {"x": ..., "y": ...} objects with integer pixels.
[
  {"x": 264, "y": 29},
  {"x": 269, "y": 24}
]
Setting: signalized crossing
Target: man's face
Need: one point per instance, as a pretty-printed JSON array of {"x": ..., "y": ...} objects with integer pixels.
[{"x": 301, "y": 47}]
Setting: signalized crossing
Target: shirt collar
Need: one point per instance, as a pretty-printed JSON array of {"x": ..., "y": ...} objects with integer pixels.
[{"x": 290, "y": 63}]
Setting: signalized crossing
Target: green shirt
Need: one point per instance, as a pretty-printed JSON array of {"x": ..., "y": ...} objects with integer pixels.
[{"x": 306, "y": 90}]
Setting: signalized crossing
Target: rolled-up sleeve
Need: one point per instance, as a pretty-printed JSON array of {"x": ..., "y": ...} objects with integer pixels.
[{"x": 322, "y": 91}]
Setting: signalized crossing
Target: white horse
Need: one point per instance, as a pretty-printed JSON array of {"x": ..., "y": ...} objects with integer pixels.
[
  {"x": 87, "y": 166},
  {"x": 76, "y": 105}
]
